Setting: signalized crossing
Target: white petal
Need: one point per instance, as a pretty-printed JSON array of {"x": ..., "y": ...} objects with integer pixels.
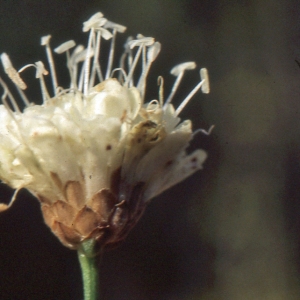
[
  {"x": 170, "y": 119},
  {"x": 114, "y": 100},
  {"x": 47, "y": 145},
  {"x": 184, "y": 168},
  {"x": 163, "y": 154}
]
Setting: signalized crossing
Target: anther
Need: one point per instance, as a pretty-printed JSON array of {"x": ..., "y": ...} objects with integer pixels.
[
  {"x": 116, "y": 28},
  {"x": 204, "y": 81},
  {"x": 95, "y": 20},
  {"x": 94, "y": 24},
  {"x": 65, "y": 47},
  {"x": 40, "y": 72},
  {"x": 15, "y": 77},
  {"x": 12, "y": 72},
  {"x": 179, "y": 72},
  {"x": 11, "y": 98},
  {"x": 45, "y": 41},
  {"x": 142, "y": 42},
  {"x": 152, "y": 53}
]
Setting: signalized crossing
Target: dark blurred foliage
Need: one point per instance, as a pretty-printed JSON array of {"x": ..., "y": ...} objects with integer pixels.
[{"x": 230, "y": 231}]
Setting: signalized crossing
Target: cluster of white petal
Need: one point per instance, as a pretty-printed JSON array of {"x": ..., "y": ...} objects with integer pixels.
[{"x": 98, "y": 125}]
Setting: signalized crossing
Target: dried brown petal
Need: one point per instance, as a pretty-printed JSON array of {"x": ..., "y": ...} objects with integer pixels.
[
  {"x": 102, "y": 203},
  {"x": 74, "y": 194},
  {"x": 44, "y": 200},
  {"x": 56, "y": 180},
  {"x": 64, "y": 212},
  {"x": 49, "y": 216},
  {"x": 86, "y": 221},
  {"x": 68, "y": 236}
]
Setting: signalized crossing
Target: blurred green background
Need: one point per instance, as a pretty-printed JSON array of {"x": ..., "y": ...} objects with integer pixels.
[{"x": 230, "y": 231}]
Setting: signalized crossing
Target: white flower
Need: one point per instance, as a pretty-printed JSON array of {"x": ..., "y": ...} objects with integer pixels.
[{"x": 96, "y": 153}]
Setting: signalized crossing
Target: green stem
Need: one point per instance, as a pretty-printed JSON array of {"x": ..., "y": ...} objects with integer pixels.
[{"x": 87, "y": 259}]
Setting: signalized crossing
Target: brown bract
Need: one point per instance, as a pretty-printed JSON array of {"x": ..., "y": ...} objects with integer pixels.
[{"x": 104, "y": 217}]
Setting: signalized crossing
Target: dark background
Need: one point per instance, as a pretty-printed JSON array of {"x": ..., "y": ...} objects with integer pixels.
[{"x": 230, "y": 231}]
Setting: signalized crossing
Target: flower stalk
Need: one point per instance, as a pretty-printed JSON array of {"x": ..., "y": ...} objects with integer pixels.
[{"x": 90, "y": 278}]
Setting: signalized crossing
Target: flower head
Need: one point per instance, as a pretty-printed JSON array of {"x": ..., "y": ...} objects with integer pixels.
[{"x": 94, "y": 154}]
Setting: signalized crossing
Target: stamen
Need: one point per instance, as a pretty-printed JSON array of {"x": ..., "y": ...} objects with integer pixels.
[
  {"x": 12, "y": 72},
  {"x": 76, "y": 56},
  {"x": 73, "y": 64},
  {"x": 152, "y": 53},
  {"x": 144, "y": 62},
  {"x": 130, "y": 54},
  {"x": 152, "y": 106},
  {"x": 141, "y": 42},
  {"x": 65, "y": 91},
  {"x": 96, "y": 66},
  {"x": 94, "y": 22},
  {"x": 121, "y": 71},
  {"x": 4, "y": 207},
  {"x": 45, "y": 41},
  {"x": 65, "y": 47},
  {"x": 204, "y": 76},
  {"x": 129, "y": 78},
  {"x": 106, "y": 35},
  {"x": 116, "y": 28},
  {"x": 40, "y": 72},
  {"x": 160, "y": 82},
  {"x": 111, "y": 54},
  {"x": 179, "y": 72},
  {"x": 94, "y": 19},
  {"x": 101, "y": 32},
  {"x": 10, "y": 96},
  {"x": 127, "y": 52},
  {"x": 206, "y": 132},
  {"x": 82, "y": 57},
  {"x": 204, "y": 80},
  {"x": 3, "y": 98},
  {"x": 87, "y": 63},
  {"x": 15, "y": 77},
  {"x": 23, "y": 97},
  {"x": 113, "y": 25}
]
